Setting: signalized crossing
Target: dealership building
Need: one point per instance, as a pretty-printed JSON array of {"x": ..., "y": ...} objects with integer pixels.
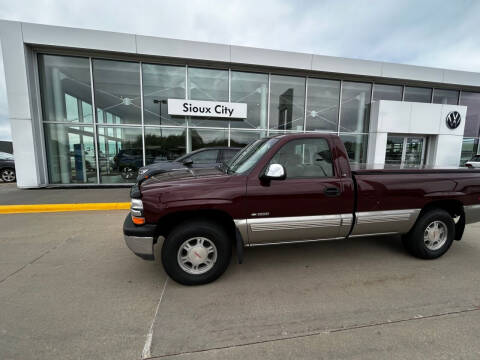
[{"x": 88, "y": 107}]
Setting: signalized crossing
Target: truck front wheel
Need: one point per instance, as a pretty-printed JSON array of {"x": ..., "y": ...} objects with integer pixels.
[
  {"x": 432, "y": 235},
  {"x": 196, "y": 252}
]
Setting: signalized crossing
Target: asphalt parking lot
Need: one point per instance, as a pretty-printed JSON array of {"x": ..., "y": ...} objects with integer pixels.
[{"x": 70, "y": 289}]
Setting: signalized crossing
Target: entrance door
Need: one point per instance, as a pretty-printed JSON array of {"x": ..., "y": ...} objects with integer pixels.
[{"x": 405, "y": 151}]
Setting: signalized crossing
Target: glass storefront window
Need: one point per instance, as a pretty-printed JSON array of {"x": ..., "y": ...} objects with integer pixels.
[
  {"x": 160, "y": 83},
  {"x": 387, "y": 92},
  {"x": 201, "y": 138},
  {"x": 163, "y": 144},
  {"x": 287, "y": 102},
  {"x": 472, "y": 122},
  {"x": 120, "y": 154},
  {"x": 252, "y": 89},
  {"x": 208, "y": 85},
  {"x": 418, "y": 94},
  {"x": 322, "y": 104},
  {"x": 355, "y": 107},
  {"x": 442, "y": 96},
  {"x": 243, "y": 138},
  {"x": 117, "y": 90},
  {"x": 356, "y": 146},
  {"x": 65, "y": 88},
  {"x": 70, "y": 154}
]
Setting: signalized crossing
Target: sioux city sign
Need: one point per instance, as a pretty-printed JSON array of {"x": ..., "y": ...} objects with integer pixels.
[{"x": 212, "y": 109}]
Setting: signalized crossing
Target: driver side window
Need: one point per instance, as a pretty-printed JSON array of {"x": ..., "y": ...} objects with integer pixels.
[
  {"x": 205, "y": 157},
  {"x": 305, "y": 158}
]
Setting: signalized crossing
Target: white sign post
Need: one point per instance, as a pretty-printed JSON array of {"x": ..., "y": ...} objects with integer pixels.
[{"x": 212, "y": 109}]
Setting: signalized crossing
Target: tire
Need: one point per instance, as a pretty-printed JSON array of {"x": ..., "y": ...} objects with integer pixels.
[
  {"x": 432, "y": 235},
  {"x": 199, "y": 237},
  {"x": 8, "y": 175}
]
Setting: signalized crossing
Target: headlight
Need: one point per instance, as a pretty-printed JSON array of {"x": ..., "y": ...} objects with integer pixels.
[{"x": 136, "y": 207}]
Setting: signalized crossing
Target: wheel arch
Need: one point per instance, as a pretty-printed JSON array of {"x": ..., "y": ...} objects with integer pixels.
[{"x": 454, "y": 208}]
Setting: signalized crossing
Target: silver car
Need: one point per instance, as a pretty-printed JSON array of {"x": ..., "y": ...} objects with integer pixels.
[{"x": 474, "y": 162}]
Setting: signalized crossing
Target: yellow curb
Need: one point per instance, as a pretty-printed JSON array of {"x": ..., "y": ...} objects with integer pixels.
[{"x": 19, "y": 209}]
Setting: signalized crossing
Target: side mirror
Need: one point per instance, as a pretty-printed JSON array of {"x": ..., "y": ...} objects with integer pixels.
[
  {"x": 188, "y": 162},
  {"x": 274, "y": 172}
]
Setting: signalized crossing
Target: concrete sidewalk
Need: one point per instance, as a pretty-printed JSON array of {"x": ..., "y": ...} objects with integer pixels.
[{"x": 11, "y": 195}]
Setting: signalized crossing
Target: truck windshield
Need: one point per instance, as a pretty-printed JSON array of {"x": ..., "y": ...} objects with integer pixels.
[{"x": 249, "y": 156}]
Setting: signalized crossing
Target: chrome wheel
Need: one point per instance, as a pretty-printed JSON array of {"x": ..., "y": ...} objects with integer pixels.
[
  {"x": 197, "y": 255},
  {"x": 435, "y": 235},
  {"x": 128, "y": 172},
  {"x": 8, "y": 175}
]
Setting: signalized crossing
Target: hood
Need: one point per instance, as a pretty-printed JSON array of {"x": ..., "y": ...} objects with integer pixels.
[
  {"x": 191, "y": 176},
  {"x": 159, "y": 167}
]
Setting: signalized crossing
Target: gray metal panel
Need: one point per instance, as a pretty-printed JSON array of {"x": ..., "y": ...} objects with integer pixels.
[
  {"x": 276, "y": 58},
  {"x": 346, "y": 66},
  {"x": 411, "y": 72},
  {"x": 149, "y": 45},
  {"x": 290, "y": 229},
  {"x": 472, "y": 213},
  {"x": 461, "y": 77},
  {"x": 382, "y": 222},
  {"x": 78, "y": 38},
  {"x": 14, "y": 64}
]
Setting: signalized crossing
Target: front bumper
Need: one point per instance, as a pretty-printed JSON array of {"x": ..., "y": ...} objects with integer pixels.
[{"x": 140, "y": 239}]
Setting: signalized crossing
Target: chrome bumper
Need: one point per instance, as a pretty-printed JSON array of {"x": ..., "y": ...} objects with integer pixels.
[
  {"x": 140, "y": 246},
  {"x": 472, "y": 213}
]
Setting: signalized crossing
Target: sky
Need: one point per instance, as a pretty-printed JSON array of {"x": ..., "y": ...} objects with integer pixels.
[{"x": 437, "y": 33}]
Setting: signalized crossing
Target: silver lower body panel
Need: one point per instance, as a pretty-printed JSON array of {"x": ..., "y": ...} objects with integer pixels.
[
  {"x": 140, "y": 246},
  {"x": 385, "y": 222},
  {"x": 472, "y": 213}
]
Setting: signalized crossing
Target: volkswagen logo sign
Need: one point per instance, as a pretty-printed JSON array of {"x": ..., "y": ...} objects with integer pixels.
[{"x": 453, "y": 119}]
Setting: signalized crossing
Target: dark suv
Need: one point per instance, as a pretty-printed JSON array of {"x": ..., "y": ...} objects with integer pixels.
[
  {"x": 7, "y": 167},
  {"x": 201, "y": 158}
]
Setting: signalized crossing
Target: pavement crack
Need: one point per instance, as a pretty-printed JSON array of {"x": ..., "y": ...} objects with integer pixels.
[
  {"x": 326, "y": 331},
  {"x": 33, "y": 260},
  {"x": 147, "y": 348}
]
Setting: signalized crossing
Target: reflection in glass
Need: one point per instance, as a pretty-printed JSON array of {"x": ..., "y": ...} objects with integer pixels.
[
  {"x": 387, "y": 92},
  {"x": 65, "y": 88},
  {"x": 164, "y": 144},
  {"x": 208, "y": 85},
  {"x": 469, "y": 149},
  {"x": 117, "y": 91},
  {"x": 322, "y": 104},
  {"x": 394, "y": 153},
  {"x": 121, "y": 149},
  {"x": 472, "y": 122},
  {"x": 442, "y": 96},
  {"x": 287, "y": 102},
  {"x": 418, "y": 94},
  {"x": 356, "y": 146},
  {"x": 70, "y": 154},
  {"x": 201, "y": 138},
  {"x": 252, "y": 89},
  {"x": 160, "y": 83},
  {"x": 243, "y": 138},
  {"x": 355, "y": 107}
]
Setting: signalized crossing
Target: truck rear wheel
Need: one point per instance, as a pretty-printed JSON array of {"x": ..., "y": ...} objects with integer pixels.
[
  {"x": 196, "y": 252},
  {"x": 432, "y": 235}
]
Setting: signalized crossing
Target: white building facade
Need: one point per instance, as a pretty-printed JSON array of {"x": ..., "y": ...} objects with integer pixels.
[{"x": 85, "y": 105}]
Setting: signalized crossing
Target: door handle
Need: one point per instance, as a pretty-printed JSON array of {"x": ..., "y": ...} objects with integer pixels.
[{"x": 332, "y": 191}]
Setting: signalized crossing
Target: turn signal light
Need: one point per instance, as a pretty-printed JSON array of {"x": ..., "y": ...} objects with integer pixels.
[{"x": 138, "y": 220}]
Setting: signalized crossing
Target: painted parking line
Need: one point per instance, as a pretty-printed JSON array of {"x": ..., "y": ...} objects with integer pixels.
[{"x": 39, "y": 208}]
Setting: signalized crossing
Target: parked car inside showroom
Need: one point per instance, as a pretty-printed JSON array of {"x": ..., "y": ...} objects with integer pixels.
[
  {"x": 474, "y": 162},
  {"x": 7, "y": 167},
  {"x": 201, "y": 158}
]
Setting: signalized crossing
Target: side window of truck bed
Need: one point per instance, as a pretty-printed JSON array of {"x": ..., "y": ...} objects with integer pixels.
[{"x": 305, "y": 158}]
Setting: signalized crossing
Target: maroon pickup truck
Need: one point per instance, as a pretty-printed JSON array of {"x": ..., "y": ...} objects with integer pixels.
[{"x": 293, "y": 188}]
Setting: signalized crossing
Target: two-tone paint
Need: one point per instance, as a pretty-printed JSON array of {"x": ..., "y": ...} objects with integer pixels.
[{"x": 348, "y": 204}]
